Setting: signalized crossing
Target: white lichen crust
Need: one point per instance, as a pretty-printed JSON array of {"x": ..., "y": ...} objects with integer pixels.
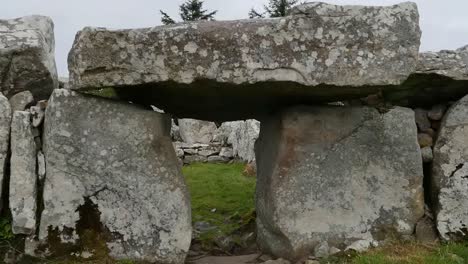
[
  {"x": 27, "y": 60},
  {"x": 317, "y": 44},
  {"x": 450, "y": 173},
  {"x": 23, "y": 177},
  {"x": 121, "y": 158}
]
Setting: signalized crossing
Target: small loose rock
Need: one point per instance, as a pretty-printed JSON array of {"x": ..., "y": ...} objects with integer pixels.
[
  {"x": 422, "y": 120},
  {"x": 425, "y": 140},
  {"x": 437, "y": 112},
  {"x": 427, "y": 154}
]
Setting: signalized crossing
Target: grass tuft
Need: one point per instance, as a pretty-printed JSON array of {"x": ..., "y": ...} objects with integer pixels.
[{"x": 407, "y": 253}]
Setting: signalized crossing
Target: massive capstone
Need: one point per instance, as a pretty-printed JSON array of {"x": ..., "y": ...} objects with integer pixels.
[
  {"x": 450, "y": 173},
  {"x": 27, "y": 60},
  {"x": 318, "y": 53},
  {"x": 118, "y": 160},
  {"x": 341, "y": 176}
]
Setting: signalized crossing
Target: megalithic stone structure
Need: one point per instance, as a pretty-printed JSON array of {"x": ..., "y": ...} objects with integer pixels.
[{"x": 319, "y": 53}]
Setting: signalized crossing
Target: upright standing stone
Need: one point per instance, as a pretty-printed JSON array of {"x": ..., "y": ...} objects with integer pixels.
[
  {"x": 337, "y": 175},
  {"x": 318, "y": 53},
  {"x": 242, "y": 136},
  {"x": 450, "y": 173},
  {"x": 115, "y": 161},
  {"x": 5, "y": 121},
  {"x": 27, "y": 61},
  {"x": 23, "y": 177}
]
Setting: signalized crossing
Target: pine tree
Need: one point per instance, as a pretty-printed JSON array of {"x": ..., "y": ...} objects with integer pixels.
[
  {"x": 166, "y": 19},
  {"x": 255, "y": 14},
  {"x": 191, "y": 10},
  {"x": 275, "y": 8}
]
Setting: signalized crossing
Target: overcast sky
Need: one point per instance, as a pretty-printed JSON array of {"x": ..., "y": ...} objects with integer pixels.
[{"x": 444, "y": 23}]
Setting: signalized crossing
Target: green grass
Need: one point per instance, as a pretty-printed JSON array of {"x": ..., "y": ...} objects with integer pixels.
[
  {"x": 104, "y": 92},
  {"x": 222, "y": 187},
  {"x": 407, "y": 253},
  {"x": 6, "y": 233}
]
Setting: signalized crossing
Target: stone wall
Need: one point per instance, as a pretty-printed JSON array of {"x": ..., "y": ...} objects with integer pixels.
[{"x": 204, "y": 141}]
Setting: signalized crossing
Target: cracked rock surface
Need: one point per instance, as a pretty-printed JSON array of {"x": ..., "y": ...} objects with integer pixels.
[
  {"x": 450, "y": 173},
  {"x": 341, "y": 175},
  {"x": 320, "y": 52},
  {"x": 120, "y": 158},
  {"x": 27, "y": 60}
]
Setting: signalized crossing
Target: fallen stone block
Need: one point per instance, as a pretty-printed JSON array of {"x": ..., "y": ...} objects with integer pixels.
[
  {"x": 124, "y": 187},
  {"x": 450, "y": 173},
  {"x": 27, "y": 61},
  {"x": 337, "y": 175}
]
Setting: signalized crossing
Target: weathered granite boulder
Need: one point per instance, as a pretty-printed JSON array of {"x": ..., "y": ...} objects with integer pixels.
[
  {"x": 344, "y": 175},
  {"x": 320, "y": 52},
  {"x": 23, "y": 176},
  {"x": 5, "y": 121},
  {"x": 112, "y": 172},
  {"x": 450, "y": 173},
  {"x": 196, "y": 131},
  {"x": 27, "y": 59}
]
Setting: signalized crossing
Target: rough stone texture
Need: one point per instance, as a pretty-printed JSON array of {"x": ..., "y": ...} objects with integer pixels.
[
  {"x": 175, "y": 131},
  {"x": 422, "y": 120},
  {"x": 448, "y": 63},
  {"x": 226, "y": 153},
  {"x": 5, "y": 121},
  {"x": 356, "y": 176},
  {"x": 38, "y": 113},
  {"x": 321, "y": 52},
  {"x": 450, "y": 173},
  {"x": 427, "y": 155},
  {"x": 440, "y": 76},
  {"x": 20, "y": 101},
  {"x": 196, "y": 131},
  {"x": 425, "y": 231},
  {"x": 119, "y": 158},
  {"x": 241, "y": 135},
  {"x": 425, "y": 140},
  {"x": 41, "y": 166},
  {"x": 23, "y": 178},
  {"x": 27, "y": 61},
  {"x": 437, "y": 112}
]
